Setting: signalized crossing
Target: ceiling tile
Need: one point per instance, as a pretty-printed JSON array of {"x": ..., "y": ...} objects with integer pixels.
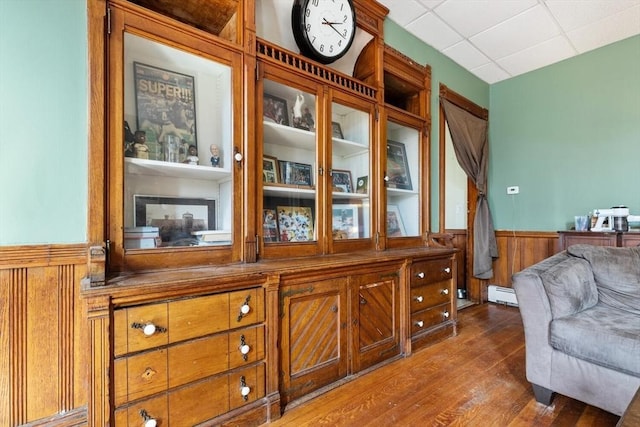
[
  {"x": 471, "y": 17},
  {"x": 572, "y": 14},
  {"x": 431, "y": 3},
  {"x": 538, "y": 56},
  {"x": 433, "y": 31},
  {"x": 403, "y": 12},
  {"x": 465, "y": 54},
  {"x": 490, "y": 73},
  {"x": 526, "y": 29},
  {"x": 617, "y": 27}
]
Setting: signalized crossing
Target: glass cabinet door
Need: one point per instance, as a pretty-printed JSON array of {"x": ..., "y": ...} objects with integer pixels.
[
  {"x": 403, "y": 180},
  {"x": 350, "y": 173},
  {"x": 289, "y": 178}
]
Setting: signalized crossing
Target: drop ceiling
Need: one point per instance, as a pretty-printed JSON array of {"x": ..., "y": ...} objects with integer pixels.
[{"x": 499, "y": 39}]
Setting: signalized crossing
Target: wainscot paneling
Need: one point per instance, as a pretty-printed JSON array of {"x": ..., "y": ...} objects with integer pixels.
[{"x": 43, "y": 374}]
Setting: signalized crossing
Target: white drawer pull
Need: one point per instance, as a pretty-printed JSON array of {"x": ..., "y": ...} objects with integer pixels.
[
  {"x": 149, "y": 421},
  {"x": 447, "y": 270},
  {"x": 420, "y": 275},
  {"x": 419, "y": 323},
  {"x": 245, "y": 308},
  {"x": 445, "y": 291},
  {"x": 148, "y": 329},
  {"x": 445, "y": 314},
  {"x": 244, "y": 388},
  {"x": 245, "y": 349},
  {"x": 419, "y": 298}
]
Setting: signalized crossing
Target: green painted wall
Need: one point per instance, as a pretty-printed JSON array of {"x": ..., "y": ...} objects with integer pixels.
[
  {"x": 43, "y": 121},
  {"x": 443, "y": 70},
  {"x": 569, "y": 136}
]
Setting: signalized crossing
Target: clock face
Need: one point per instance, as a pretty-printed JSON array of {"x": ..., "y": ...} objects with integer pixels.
[{"x": 323, "y": 29}]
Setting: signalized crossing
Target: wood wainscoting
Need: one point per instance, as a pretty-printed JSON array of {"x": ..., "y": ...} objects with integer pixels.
[{"x": 43, "y": 361}]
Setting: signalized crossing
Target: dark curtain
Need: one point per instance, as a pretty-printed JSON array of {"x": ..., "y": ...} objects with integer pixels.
[{"x": 471, "y": 145}]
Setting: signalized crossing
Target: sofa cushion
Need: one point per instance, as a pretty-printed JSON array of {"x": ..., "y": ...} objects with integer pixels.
[
  {"x": 570, "y": 287},
  {"x": 617, "y": 274},
  {"x": 600, "y": 335}
]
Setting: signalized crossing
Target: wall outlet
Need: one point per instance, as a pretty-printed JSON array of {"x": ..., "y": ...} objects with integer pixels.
[{"x": 513, "y": 189}]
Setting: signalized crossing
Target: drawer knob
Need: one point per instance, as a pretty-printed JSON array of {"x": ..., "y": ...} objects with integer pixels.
[
  {"x": 419, "y": 323},
  {"x": 244, "y": 348},
  {"x": 420, "y": 275},
  {"x": 419, "y": 298},
  {"x": 148, "y": 328},
  {"x": 445, "y": 314},
  {"x": 447, "y": 270},
  {"x": 245, "y": 308},
  {"x": 445, "y": 291},
  {"x": 149, "y": 421},
  {"x": 244, "y": 388}
]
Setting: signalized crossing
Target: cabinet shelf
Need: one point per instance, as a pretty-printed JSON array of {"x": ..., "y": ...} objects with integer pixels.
[{"x": 137, "y": 166}]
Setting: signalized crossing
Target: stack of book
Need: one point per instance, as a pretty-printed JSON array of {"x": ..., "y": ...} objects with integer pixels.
[
  {"x": 213, "y": 237},
  {"x": 141, "y": 237}
]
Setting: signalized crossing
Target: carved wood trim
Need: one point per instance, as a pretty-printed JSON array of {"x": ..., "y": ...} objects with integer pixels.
[{"x": 41, "y": 255}]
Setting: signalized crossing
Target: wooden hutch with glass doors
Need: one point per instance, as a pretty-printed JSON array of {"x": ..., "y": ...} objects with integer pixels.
[{"x": 259, "y": 221}]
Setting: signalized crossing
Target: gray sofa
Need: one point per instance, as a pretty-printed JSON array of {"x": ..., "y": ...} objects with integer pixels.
[{"x": 581, "y": 315}]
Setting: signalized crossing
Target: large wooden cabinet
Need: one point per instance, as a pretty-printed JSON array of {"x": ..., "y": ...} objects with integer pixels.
[{"x": 259, "y": 221}]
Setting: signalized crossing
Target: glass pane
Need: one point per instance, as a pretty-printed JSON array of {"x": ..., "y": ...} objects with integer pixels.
[
  {"x": 403, "y": 183},
  {"x": 178, "y": 137},
  {"x": 289, "y": 164},
  {"x": 351, "y": 216}
]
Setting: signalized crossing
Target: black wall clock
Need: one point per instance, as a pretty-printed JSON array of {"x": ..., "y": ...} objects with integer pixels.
[{"x": 323, "y": 29}]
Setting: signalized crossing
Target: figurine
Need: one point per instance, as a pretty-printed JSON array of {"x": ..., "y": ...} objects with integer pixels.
[
  {"x": 192, "y": 155},
  {"x": 298, "y": 120},
  {"x": 215, "y": 156},
  {"x": 140, "y": 146},
  {"x": 129, "y": 139}
]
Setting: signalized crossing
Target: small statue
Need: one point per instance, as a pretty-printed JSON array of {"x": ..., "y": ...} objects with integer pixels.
[
  {"x": 192, "y": 155},
  {"x": 140, "y": 147},
  {"x": 298, "y": 120},
  {"x": 215, "y": 156},
  {"x": 129, "y": 139}
]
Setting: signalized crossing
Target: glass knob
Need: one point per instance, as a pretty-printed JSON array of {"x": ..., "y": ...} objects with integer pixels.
[
  {"x": 244, "y": 349},
  {"x": 445, "y": 292},
  {"x": 149, "y": 329},
  {"x": 447, "y": 270},
  {"x": 419, "y": 298},
  {"x": 419, "y": 323},
  {"x": 245, "y": 309},
  {"x": 445, "y": 314},
  {"x": 237, "y": 157},
  {"x": 244, "y": 391},
  {"x": 386, "y": 178},
  {"x": 420, "y": 275}
]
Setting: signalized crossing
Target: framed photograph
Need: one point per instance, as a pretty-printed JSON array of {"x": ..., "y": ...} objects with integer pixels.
[
  {"x": 397, "y": 166},
  {"x": 275, "y": 110},
  {"x": 175, "y": 217},
  {"x": 270, "y": 225},
  {"x": 336, "y": 130},
  {"x": 362, "y": 185},
  {"x": 341, "y": 181},
  {"x": 295, "y": 223},
  {"x": 270, "y": 173},
  {"x": 166, "y": 106},
  {"x": 395, "y": 226},
  {"x": 292, "y": 173},
  {"x": 346, "y": 221}
]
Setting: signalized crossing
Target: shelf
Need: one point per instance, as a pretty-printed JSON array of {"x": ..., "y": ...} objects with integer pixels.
[
  {"x": 289, "y": 192},
  {"x": 289, "y": 136},
  {"x": 345, "y": 148},
  {"x": 397, "y": 192},
  {"x": 351, "y": 196},
  {"x": 136, "y": 166}
]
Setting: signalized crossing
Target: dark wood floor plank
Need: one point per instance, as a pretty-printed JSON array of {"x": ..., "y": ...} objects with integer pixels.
[{"x": 474, "y": 379}]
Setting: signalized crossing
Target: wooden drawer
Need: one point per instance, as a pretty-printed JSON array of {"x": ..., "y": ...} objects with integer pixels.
[
  {"x": 196, "y": 317},
  {"x": 425, "y": 319},
  {"x": 423, "y": 297},
  {"x": 133, "y": 416},
  {"x": 140, "y": 375},
  {"x": 198, "y": 402},
  {"x": 253, "y": 339},
  {"x": 246, "y": 307},
  {"x": 197, "y": 359},
  {"x": 129, "y": 328},
  {"x": 431, "y": 271},
  {"x": 252, "y": 377}
]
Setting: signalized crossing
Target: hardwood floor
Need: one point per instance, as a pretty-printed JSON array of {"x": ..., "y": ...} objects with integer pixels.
[{"x": 474, "y": 379}]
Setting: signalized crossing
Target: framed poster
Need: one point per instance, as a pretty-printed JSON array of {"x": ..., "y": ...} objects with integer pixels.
[
  {"x": 345, "y": 223},
  {"x": 270, "y": 173},
  {"x": 165, "y": 105},
  {"x": 293, "y": 173},
  {"x": 341, "y": 181},
  {"x": 274, "y": 110},
  {"x": 395, "y": 226},
  {"x": 295, "y": 223},
  {"x": 362, "y": 186},
  {"x": 336, "y": 130},
  {"x": 398, "y": 166},
  {"x": 269, "y": 225},
  {"x": 176, "y": 217}
]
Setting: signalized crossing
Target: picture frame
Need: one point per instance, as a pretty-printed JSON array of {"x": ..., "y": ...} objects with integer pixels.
[
  {"x": 274, "y": 109},
  {"x": 295, "y": 223},
  {"x": 270, "y": 226},
  {"x": 346, "y": 221},
  {"x": 165, "y": 107},
  {"x": 362, "y": 185},
  {"x": 395, "y": 226},
  {"x": 398, "y": 166},
  {"x": 336, "y": 130},
  {"x": 175, "y": 217},
  {"x": 270, "y": 170},
  {"x": 341, "y": 181},
  {"x": 293, "y": 173}
]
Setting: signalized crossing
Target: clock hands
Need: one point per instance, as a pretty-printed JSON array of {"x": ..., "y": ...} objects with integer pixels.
[{"x": 331, "y": 24}]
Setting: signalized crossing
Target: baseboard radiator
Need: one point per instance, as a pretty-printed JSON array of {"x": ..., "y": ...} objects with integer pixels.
[{"x": 501, "y": 295}]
